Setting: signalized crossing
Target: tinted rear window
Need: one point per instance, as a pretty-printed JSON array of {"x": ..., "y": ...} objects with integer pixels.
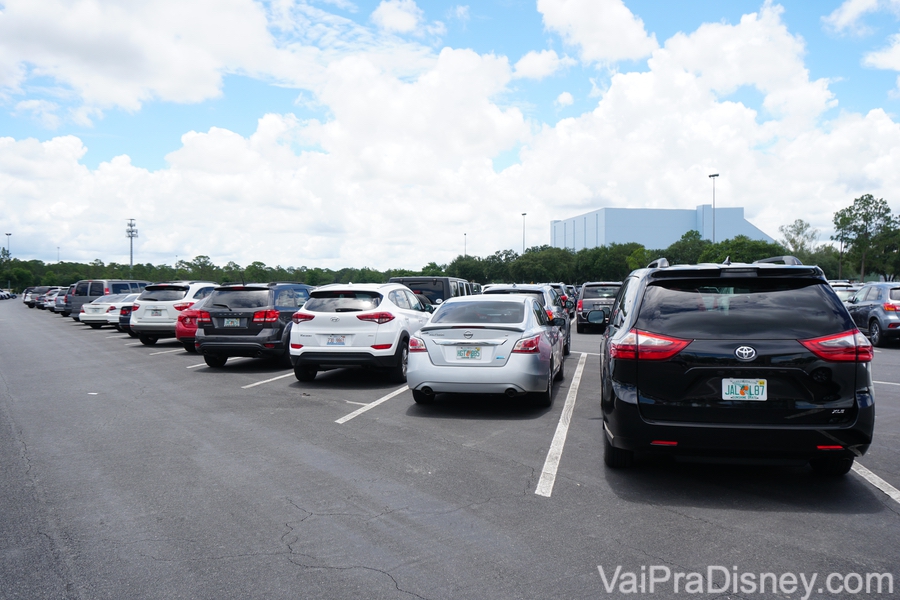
[
  {"x": 163, "y": 294},
  {"x": 431, "y": 290},
  {"x": 748, "y": 309},
  {"x": 600, "y": 291},
  {"x": 480, "y": 312},
  {"x": 242, "y": 298},
  {"x": 342, "y": 301},
  {"x": 895, "y": 294},
  {"x": 120, "y": 287},
  {"x": 536, "y": 293}
]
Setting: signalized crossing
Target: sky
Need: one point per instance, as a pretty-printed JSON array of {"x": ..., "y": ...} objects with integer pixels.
[{"x": 393, "y": 133}]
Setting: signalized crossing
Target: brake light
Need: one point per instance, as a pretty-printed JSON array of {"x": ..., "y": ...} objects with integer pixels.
[
  {"x": 641, "y": 345},
  {"x": 125, "y": 311},
  {"x": 531, "y": 345},
  {"x": 564, "y": 298},
  {"x": 550, "y": 314},
  {"x": 111, "y": 309},
  {"x": 379, "y": 317},
  {"x": 296, "y": 346},
  {"x": 182, "y": 305},
  {"x": 849, "y": 346},
  {"x": 106, "y": 291},
  {"x": 417, "y": 345},
  {"x": 890, "y": 307},
  {"x": 135, "y": 306},
  {"x": 831, "y": 447},
  {"x": 381, "y": 346},
  {"x": 300, "y": 317},
  {"x": 204, "y": 318},
  {"x": 580, "y": 305},
  {"x": 265, "y": 316},
  {"x": 82, "y": 309}
]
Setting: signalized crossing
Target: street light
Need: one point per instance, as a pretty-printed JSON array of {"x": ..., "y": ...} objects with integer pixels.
[
  {"x": 465, "y": 255},
  {"x": 523, "y": 232},
  {"x": 713, "y": 177}
]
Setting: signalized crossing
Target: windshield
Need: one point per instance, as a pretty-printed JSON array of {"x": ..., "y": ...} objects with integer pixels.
[
  {"x": 163, "y": 293},
  {"x": 342, "y": 301},
  {"x": 239, "y": 298},
  {"x": 480, "y": 312}
]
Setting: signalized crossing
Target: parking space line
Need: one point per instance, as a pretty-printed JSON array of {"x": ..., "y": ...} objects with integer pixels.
[
  {"x": 244, "y": 387},
  {"x": 885, "y": 382},
  {"x": 136, "y": 344},
  {"x": 203, "y": 364},
  {"x": 892, "y": 492},
  {"x": 371, "y": 405},
  {"x": 166, "y": 351},
  {"x": 548, "y": 473}
]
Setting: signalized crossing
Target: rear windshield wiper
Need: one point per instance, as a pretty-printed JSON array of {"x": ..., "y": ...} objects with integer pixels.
[{"x": 222, "y": 305}]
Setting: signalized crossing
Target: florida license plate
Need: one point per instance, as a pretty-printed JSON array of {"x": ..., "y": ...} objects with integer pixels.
[
  {"x": 336, "y": 340},
  {"x": 744, "y": 389},
  {"x": 231, "y": 322},
  {"x": 467, "y": 353},
  {"x": 156, "y": 312}
]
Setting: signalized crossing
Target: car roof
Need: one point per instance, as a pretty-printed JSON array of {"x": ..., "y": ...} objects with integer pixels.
[
  {"x": 770, "y": 267},
  {"x": 487, "y": 298},
  {"x": 361, "y": 287}
]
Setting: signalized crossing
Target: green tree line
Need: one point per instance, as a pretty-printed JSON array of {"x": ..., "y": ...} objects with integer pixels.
[{"x": 867, "y": 241}]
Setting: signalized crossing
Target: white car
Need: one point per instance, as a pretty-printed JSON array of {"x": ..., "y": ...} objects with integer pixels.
[
  {"x": 97, "y": 313},
  {"x": 155, "y": 312},
  {"x": 356, "y": 325},
  {"x": 115, "y": 308}
]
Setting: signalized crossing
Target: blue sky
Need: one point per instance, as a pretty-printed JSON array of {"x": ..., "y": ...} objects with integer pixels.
[{"x": 321, "y": 112}]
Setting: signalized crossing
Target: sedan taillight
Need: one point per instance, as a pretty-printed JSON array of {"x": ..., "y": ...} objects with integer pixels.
[
  {"x": 111, "y": 309},
  {"x": 379, "y": 317},
  {"x": 125, "y": 311},
  {"x": 641, "y": 345},
  {"x": 529, "y": 345},
  {"x": 849, "y": 346},
  {"x": 417, "y": 345}
]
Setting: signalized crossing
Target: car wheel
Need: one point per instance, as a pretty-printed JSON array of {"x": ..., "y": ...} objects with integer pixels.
[
  {"x": 422, "y": 398},
  {"x": 398, "y": 372},
  {"x": 304, "y": 373},
  {"x": 95, "y": 325},
  {"x": 215, "y": 361},
  {"x": 579, "y": 328},
  {"x": 561, "y": 373},
  {"x": 147, "y": 340},
  {"x": 616, "y": 458},
  {"x": 831, "y": 467},
  {"x": 545, "y": 399},
  {"x": 189, "y": 347},
  {"x": 875, "y": 334}
]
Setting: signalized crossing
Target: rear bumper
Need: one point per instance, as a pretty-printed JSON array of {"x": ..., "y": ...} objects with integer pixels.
[
  {"x": 627, "y": 429},
  {"x": 160, "y": 330},
  {"x": 521, "y": 373},
  {"x": 344, "y": 359},
  {"x": 242, "y": 348}
]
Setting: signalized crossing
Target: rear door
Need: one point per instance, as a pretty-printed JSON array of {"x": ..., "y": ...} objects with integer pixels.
[
  {"x": 743, "y": 362},
  {"x": 240, "y": 311}
]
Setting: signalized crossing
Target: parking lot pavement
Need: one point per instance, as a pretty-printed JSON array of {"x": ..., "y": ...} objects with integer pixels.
[{"x": 151, "y": 475}]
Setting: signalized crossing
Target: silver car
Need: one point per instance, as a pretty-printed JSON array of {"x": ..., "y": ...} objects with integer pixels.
[{"x": 504, "y": 344}]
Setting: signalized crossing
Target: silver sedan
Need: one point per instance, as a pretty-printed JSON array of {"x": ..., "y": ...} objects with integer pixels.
[{"x": 504, "y": 344}]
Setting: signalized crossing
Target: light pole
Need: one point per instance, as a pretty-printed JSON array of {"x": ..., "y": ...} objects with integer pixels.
[
  {"x": 523, "y": 232},
  {"x": 465, "y": 254},
  {"x": 57, "y": 255},
  {"x": 131, "y": 232},
  {"x": 713, "y": 177}
]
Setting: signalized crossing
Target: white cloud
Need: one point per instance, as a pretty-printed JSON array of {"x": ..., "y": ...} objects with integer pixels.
[
  {"x": 565, "y": 99},
  {"x": 605, "y": 30},
  {"x": 537, "y": 65},
  {"x": 398, "y": 16},
  {"x": 41, "y": 110},
  {"x": 848, "y": 15}
]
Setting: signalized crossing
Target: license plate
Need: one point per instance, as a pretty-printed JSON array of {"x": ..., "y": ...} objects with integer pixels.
[
  {"x": 156, "y": 312},
  {"x": 744, "y": 389},
  {"x": 336, "y": 340},
  {"x": 467, "y": 353},
  {"x": 232, "y": 322}
]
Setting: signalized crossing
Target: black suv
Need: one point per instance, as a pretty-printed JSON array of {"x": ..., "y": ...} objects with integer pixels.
[
  {"x": 732, "y": 362},
  {"x": 252, "y": 319},
  {"x": 595, "y": 299}
]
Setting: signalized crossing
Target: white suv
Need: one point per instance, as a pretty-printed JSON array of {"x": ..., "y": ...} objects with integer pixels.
[
  {"x": 353, "y": 325},
  {"x": 155, "y": 312}
]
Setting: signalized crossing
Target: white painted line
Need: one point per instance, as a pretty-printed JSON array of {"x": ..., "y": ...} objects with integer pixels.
[
  {"x": 886, "y": 383},
  {"x": 117, "y": 337},
  {"x": 357, "y": 403},
  {"x": 137, "y": 344},
  {"x": 203, "y": 364},
  {"x": 592, "y": 353},
  {"x": 892, "y": 492},
  {"x": 371, "y": 405},
  {"x": 548, "y": 473},
  {"x": 166, "y": 352},
  {"x": 244, "y": 387}
]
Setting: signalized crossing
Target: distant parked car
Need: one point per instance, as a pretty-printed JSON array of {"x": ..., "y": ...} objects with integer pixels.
[
  {"x": 186, "y": 325},
  {"x": 32, "y": 299},
  {"x": 875, "y": 309},
  {"x": 488, "y": 344},
  {"x": 88, "y": 290},
  {"x": 594, "y": 303},
  {"x": 155, "y": 312},
  {"x": 95, "y": 314},
  {"x": 251, "y": 320},
  {"x": 61, "y": 301},
  {"x": 550, "y": 300},
  {"x": 437, "y": 289},
  {"x": 48, "y": 300}
]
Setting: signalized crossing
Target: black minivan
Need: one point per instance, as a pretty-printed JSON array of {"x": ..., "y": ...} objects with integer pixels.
[
  {"x": 252, "y": 319},
  {"x": 436, "y": 289},
  {"x": 735, "y": 361}
]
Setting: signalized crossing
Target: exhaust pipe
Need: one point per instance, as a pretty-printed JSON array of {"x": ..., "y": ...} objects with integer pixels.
[
  {"x": 427, "y": 391},
  {"x": 511, "y": 392}
]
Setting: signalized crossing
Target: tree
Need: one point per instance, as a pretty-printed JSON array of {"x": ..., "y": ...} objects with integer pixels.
[
  {"x": 861, "y": 224},
  {"x": 687, "y": 250},
  {"x": 799, "y": 238},
  {"x": 433, "y": 269},
  {"x": 741, "y": 248},
  {"x": 469, "y": 268}
]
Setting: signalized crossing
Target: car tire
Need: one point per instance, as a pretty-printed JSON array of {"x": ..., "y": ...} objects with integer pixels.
[
  {"x": 422, "y": 398},
  {"x": 215, "y": 361},
  {"x": 616, "y": 458},
  {"x": 579, "y": 328},
  {"x": 304, "y": 373},
  {"x": 561, "y": 373},
  {"x": 95, "y": 325},
  {"x": 875, "y": 334},
  {"x": 189, "y": 347},
  {"x": 147, "y": 340},
  {"x": 831, "y": 467},
  {"x": 397, "y": 373},
  {"x": 545, "y": 399}
]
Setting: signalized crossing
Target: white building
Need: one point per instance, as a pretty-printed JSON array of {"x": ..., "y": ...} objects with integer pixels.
[{"x": 654, "y": 228}]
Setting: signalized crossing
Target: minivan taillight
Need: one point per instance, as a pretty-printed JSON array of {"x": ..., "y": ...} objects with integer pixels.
[
  {"x": 300, "y": 317},
  {"x": 849, "y": 346},
  {"x": 580, "y": 305},
  {"x": 265, "y": 316},
  {"x": 642, "y": 345},
  {"x": 379, "y": 317},
  {"x": 203, "y": 318}
]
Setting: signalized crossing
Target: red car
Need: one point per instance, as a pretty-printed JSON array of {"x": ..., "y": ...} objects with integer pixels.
[{"x": 186, "y": 325}]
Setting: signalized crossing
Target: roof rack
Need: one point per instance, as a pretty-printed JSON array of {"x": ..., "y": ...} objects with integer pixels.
[
  {"x": 659, "y": 263},
  {"x": 783, "y": 260}
]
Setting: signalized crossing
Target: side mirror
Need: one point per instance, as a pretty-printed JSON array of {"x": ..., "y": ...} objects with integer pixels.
[
  {"x": 570, "y": 304},
  {"x": 429, "y": 308},
  {"x": 558, "y": 322}
]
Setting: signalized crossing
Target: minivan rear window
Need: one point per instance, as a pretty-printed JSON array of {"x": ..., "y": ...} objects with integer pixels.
[
  {"x": 600, "y": 291},
  {"x": 241, "y": 298},
  {"x": 120, "y": 288},
  {"x": 432, "y": 290},
  {"x": 161, "y": 293},
  {"x": 480, "y": 312},
  {"x": 747, "y": 309},
  {"x": 342, "y": 301}
]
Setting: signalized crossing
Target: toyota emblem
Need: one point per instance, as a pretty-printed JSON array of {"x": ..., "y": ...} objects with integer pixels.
[
  {"x": 468, "y": 335},
  {"x": 745, "y": 353}
]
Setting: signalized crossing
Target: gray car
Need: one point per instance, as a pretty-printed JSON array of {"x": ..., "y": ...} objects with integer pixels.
[
  {"x": 875, "y": 309},
  {"x": 501, "y": 344},
  {"x": 594, "y": 303}
]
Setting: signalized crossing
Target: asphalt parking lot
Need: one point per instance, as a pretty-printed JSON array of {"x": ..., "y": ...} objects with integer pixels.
[{"x": 136, "y": 471}]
